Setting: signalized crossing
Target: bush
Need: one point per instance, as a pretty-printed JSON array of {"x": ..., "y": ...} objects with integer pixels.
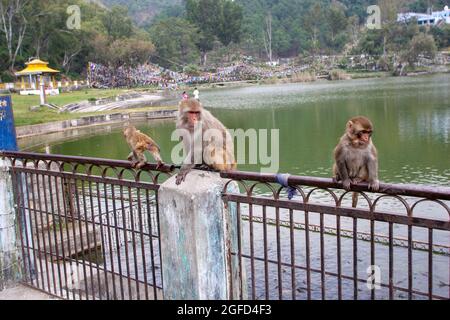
[{"x": 338, "y": 74}]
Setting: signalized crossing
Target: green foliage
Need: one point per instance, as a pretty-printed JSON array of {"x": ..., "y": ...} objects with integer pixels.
[
  {"x": 219, "y": 19},
  {"x": 175, "y": 40}
]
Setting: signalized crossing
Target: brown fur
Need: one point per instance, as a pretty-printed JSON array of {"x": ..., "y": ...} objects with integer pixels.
[
  {"x": 217, "y": 155},
  {"x": 139, "y": 143},
  {"x": 356, "y": 160}
]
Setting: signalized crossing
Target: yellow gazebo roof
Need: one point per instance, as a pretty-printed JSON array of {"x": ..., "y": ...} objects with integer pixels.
[{"x": 36, "y": 66}]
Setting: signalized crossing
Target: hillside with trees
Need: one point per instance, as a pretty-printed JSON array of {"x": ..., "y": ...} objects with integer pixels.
[{"x": 180, "y": 34}]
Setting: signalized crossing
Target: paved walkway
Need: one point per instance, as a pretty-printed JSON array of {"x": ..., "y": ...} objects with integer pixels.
[{"x": 21, "y": 292}]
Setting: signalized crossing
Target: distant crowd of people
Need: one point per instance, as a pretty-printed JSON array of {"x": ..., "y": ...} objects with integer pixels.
[{"x": 101, "y": 76}]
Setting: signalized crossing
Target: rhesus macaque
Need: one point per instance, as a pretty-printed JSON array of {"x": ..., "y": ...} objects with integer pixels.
[
  {"x": 139, "y": 143},
  {"x": 356, "y": 158},
  {"x": 217, "y": 149}
]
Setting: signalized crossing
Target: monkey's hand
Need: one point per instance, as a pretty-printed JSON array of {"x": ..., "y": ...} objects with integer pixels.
[
  {"x": 374, "y": 185},
  {"x": 347, "y": 184},
  {"x": 181, "y": 177},
  {"x": 159, "y": 165}
]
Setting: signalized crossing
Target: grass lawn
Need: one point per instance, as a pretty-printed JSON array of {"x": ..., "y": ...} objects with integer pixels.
[{"x": 23, "y": 116}]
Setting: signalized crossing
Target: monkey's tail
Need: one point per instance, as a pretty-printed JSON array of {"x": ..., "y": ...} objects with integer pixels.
[{"x": 355, "y": 199}]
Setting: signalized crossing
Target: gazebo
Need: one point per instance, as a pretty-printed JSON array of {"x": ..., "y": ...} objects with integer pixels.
[{"x": 36, "y": 74}]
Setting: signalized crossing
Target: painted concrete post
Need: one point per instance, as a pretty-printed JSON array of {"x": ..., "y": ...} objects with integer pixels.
[
  {"x": 9, "y": 253},
  {"x": 197, "y": 231}
]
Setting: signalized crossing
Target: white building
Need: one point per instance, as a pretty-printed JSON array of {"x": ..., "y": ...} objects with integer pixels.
[{"x": 433, "y": 19}]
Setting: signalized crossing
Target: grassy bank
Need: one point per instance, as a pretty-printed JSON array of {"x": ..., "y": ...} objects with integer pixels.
[{"x": 23, "y": 116}]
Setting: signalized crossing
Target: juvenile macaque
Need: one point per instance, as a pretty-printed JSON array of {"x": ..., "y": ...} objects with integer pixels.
[
  {"x": 356, "y": 158},
  {"x": 139, "y": 143},
  {"x": 214, "y": 144}
]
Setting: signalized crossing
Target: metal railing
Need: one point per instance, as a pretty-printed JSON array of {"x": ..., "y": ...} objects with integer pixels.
[
  {"x": 394, "y": 245},
  {"x": 89, "y": 229}
]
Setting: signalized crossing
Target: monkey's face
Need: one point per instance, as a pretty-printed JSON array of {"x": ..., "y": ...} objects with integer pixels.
[
  {"x": 192, "y": 112},
  {"x": 193, "y": 117},
  {"x": 359, "y": 133},
  {"x": 128, "y": 131}
]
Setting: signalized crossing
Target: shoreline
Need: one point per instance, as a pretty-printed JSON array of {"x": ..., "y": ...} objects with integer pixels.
[
  {"x": 24, "y": 132},
  {"x": 166, "y": 113}
]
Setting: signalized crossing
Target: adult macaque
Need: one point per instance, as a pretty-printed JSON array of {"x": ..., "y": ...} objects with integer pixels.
[
  {"x": 206, "y": 141},
  {"x": 356, "y": 158},
  {"x": 139, "y": 143}
]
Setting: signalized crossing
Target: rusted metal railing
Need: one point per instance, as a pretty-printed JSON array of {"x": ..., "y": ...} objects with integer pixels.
[
  {"x": 316, "y": 246},
  {"x": 89, "y": 227}
]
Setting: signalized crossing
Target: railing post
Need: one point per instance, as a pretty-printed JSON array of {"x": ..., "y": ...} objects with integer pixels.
[
  {"x": 198, "y": 233},
  {"x": 9, "y": 253}
]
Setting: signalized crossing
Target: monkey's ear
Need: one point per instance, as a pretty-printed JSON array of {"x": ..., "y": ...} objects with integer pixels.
[{"x": 350, "y": 125}]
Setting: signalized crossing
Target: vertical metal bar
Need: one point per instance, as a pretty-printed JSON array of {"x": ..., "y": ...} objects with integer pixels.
[
  {"x": 355, "y": 258},
  {"x": 280, "y": 280},
  {"x": 47, "y": 213},
  {"x": 252, "y": 252},
  {"x": 159, "y": 235},
  {"x": 322, "y": 256},
  {"x": 292, "y": 238},
  {"x": 239, "y": 249},
  {"x": 23, "y": 183},
  {"x": 133, "y": 237},
  {"x": 339, "y": 257},
  {"x": 410, "y": 270},
  {"x": 20, "y": 220},
  {"x": 149, "y": 221},
  {"x": 430, "y": 264},
  {"x": 372, "y": 252},
  {"x": 38, "y": 253},
  {"x": 88, "y": 240},
  {"x": 308, "y": 257},
  {"x": 91, "y": 200},
  {"x": 66, "y": 207},
  {"x": 116, "y": 226},
  {"x": 44, "y": 246},
  {"x": 61, "y": 235},
  {"x": 80, "y": 230},
  {"x": 391, "y": 261},
  {"x": 102, "y": 236},
  {"x": 110, "y": 242},
  {"x": 52, "y": 209},
  {"x": 266, "y": 260},
  {"x": 125, "y": 239},
  {"x": 141, "y": 233}
]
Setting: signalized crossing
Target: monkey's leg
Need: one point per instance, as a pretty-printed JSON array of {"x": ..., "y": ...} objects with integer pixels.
[{"x": 142, "y": 160}]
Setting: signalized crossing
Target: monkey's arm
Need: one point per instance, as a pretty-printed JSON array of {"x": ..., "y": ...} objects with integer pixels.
[
  {"x": 341, "y": 167},
  {"x": 372, "y": 170}
]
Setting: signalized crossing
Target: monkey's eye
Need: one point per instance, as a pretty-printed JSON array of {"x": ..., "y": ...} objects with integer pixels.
[{"x": 363, "y": 132}]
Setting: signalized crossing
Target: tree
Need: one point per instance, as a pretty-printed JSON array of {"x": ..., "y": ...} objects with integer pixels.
[
  {"x": 313, "y": 23},
  {"x": 337, "y": 22},
  {"x": 117, "y": 23},
  {"x": 268, "y": 36},
  {"x": 175, "y": 41},
  {"x": 13, "y": 24},
  {"x": 421, "y": 44},
  {"x": 214, "y": 19}
]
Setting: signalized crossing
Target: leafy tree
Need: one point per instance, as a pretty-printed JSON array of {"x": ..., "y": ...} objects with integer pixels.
[
  {"x": 117, "y": 23},
  {"x": 214, "y": 19},
  {"x": 421, "y": 44},
  {"x": 175, "y": 40}
]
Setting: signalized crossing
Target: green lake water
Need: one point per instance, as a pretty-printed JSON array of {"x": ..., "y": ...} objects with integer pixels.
[{"x": 411, "y": 117}]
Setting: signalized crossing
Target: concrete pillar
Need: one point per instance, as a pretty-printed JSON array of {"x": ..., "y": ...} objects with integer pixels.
[
  {"x": 9, "y": 254},
  {"x": 197, "y": 232}
]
